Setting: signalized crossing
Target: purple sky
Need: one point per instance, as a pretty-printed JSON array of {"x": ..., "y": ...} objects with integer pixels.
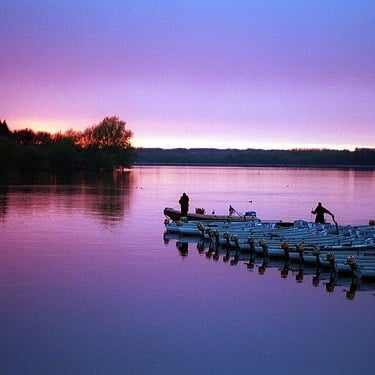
[{"x": 233, "y": 74}]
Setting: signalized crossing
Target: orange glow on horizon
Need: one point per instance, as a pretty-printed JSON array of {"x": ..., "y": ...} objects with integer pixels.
[
  {"x": 51, "y": 125},
  {"x": 166, "y": 141}
]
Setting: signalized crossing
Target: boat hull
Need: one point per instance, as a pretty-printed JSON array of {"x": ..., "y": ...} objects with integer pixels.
[{"x": 176, "y": 215}]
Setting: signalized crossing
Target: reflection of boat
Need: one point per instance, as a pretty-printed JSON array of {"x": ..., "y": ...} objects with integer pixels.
[
  {"x": 168, "y": 236},
  {"x": 359, "y": 263},
  {"x": 329, "y": 277}
]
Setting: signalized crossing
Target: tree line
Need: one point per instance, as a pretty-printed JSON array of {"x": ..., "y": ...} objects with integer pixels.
[
  {"x": 98, "y": 148},
  {"x": 360, "y": 157},
  {"x": 104, "y": 146}
]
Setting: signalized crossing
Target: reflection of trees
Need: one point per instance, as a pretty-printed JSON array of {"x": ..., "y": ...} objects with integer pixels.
[
  {"x": 3, "y": 201},
  {"x": 111, "y": 196},
  {"x": 106, "y": 196}
]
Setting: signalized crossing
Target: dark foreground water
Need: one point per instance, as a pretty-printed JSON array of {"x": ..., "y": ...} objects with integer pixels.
[{"x": 90, "y": 286}]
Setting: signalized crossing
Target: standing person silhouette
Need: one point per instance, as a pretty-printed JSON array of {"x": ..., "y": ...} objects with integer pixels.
[
  {"x": 319, "y": 212},
  {"x": 184, "y": 203}
]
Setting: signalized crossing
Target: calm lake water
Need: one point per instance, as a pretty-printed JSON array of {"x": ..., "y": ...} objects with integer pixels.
[{"x": 89, "y": 284}]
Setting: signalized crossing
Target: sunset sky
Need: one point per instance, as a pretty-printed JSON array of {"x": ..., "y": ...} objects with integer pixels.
[{"x": 224, "y": 74}]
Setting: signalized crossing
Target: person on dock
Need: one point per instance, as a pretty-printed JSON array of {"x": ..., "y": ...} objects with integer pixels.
[
  {"x": 319, "y": 212},
  {"x": 184, "y": 203}
]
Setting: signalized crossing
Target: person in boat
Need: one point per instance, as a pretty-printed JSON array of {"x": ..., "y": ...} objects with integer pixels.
[
  {"x": 319, "y": 212},
  {"x": 184, "y": 203},
  {"x": 231, "y": 210}
]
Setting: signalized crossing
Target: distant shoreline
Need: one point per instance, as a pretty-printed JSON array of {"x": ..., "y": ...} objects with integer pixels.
[
  {"x": 343, "y": 167},
  {"x": 363, "y": 159}
]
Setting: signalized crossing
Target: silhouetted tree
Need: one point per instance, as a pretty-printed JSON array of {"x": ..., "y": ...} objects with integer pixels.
[
  {"x": 42, "y": 138},
  {"x": 4, "y": 130},
  {"x": 7, "y": 154},
  {"x": 110, "y": 132},
  {"x": 24, "y": 136},
  {"x": 100, "y": 147},
  {"x": 107, "y": 144},
  {"x": 64, "y": 155}
]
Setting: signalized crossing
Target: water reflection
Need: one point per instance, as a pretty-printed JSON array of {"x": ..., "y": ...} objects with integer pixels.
[
  {"x": 183, "y": 248},
  {"x": 328, "y": 279},
  {"x": 106, "y": 196},
  {"x": 111, "y": 197},
  {"x": 3, "y": 201},
  {"x": 353, "y": 288},
  {"x": 111, "y": 296}
]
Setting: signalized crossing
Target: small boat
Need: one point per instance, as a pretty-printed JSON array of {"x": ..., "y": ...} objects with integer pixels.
[{"x": 200, "y": 215}]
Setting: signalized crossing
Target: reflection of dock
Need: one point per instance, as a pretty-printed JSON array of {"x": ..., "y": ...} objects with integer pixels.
[
  {"x": 330, "y": 276},
  {"x": 318, "y": 245}
]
